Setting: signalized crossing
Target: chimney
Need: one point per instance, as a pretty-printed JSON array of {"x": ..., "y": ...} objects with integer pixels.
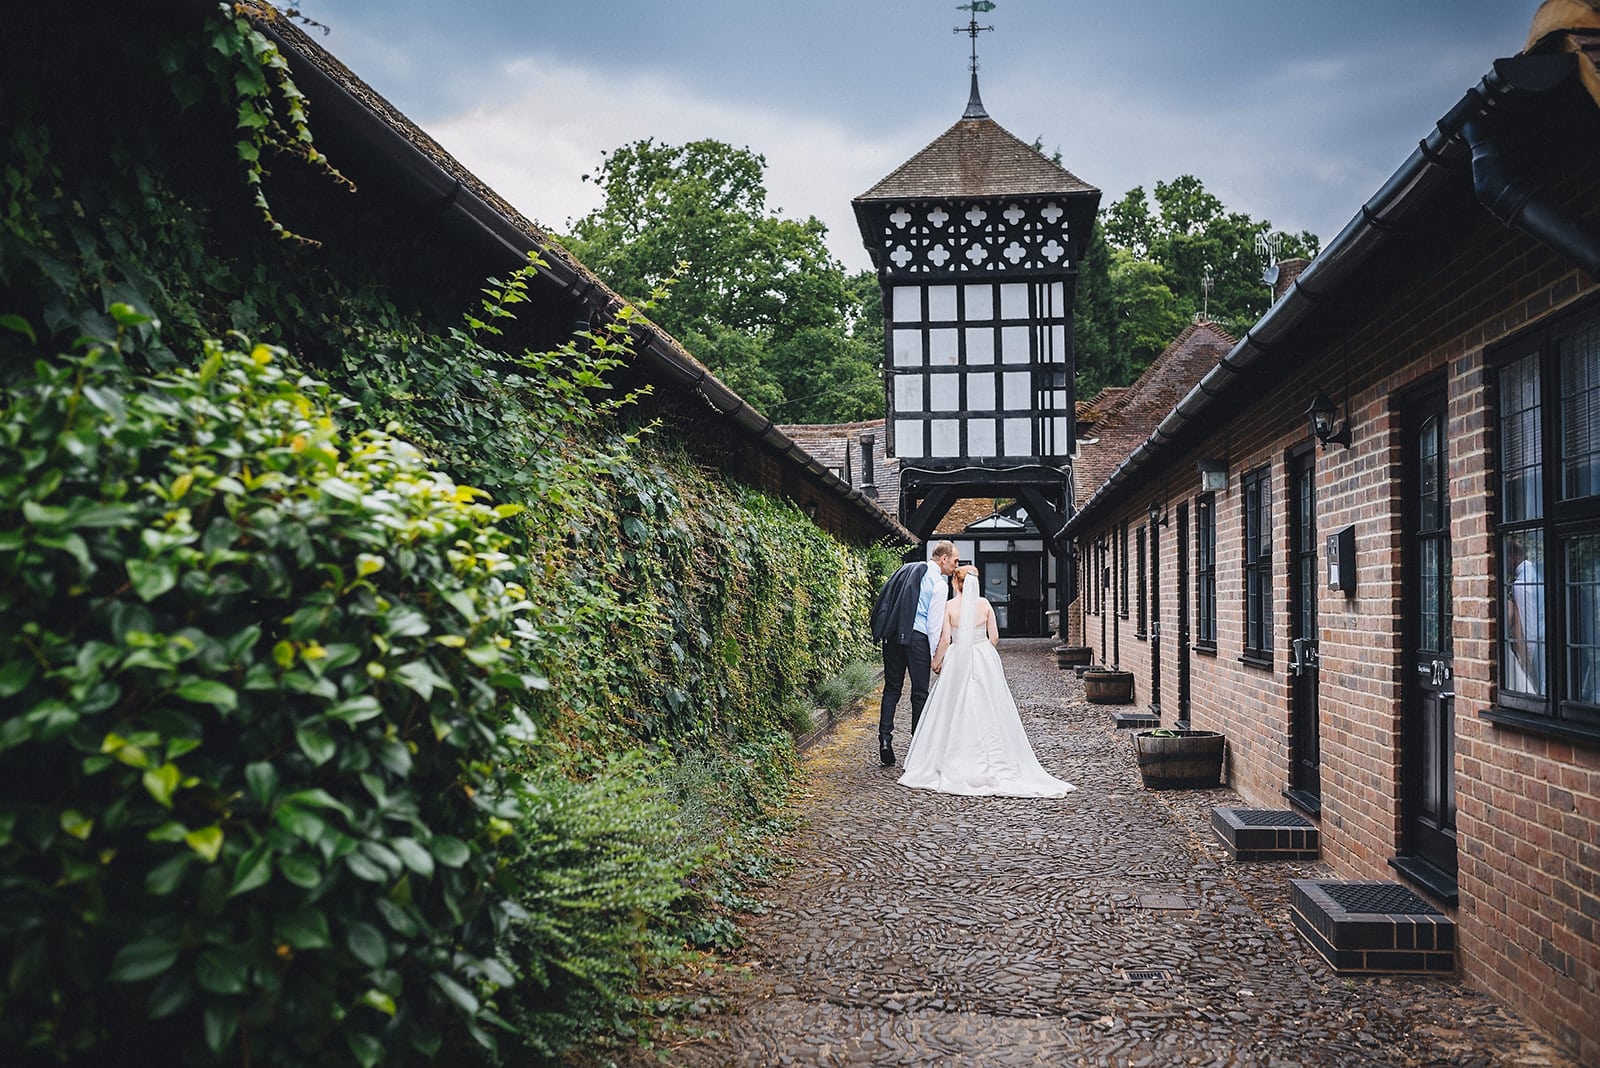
[{"x": 1288, "y": 271}]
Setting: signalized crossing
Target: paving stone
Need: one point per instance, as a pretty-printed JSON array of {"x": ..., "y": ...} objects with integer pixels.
[{"x": 925, "y": 929}]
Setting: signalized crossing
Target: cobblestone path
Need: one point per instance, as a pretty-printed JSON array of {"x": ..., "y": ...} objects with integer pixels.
[{"x": 1105, "y": 928}]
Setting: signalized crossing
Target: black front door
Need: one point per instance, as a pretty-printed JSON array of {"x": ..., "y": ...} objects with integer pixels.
[
  {"x": 1183, "y": 614},
  {"x": 1305, "y": 733},
  {"x": 1428, "y": 794},
  {"x": 1155, "y": 618}
]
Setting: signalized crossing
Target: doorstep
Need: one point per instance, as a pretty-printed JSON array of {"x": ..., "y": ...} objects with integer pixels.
[
  {"x": 1266, "y": 834},
  {"x": 1372, "y": 928}
]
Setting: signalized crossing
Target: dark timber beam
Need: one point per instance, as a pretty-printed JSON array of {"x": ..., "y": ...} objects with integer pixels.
[{"x": 935, "y": 506}]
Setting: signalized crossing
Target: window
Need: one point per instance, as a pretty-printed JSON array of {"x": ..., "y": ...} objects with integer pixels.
[
  {"x": 1548, "y": 535},
  {"x": 1205, "y": 572},
  {"x": 1257, "y": 565},
  {"x": 1122, "y": 575},
  {"x": 1140, "y": 627}
]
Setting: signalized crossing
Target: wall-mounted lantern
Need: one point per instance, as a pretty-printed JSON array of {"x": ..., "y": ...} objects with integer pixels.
[{"x": 1325, "y": 426}]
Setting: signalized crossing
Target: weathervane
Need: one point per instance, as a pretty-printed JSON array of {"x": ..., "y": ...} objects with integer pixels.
[{"x": 972, "y": 29}]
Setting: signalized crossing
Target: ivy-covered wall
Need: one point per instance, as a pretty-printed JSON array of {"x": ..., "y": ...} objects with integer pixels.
[{"x": 377, "y": 681}]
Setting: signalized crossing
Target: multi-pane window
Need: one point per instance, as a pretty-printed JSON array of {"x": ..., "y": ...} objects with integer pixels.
[
  {"x": 978, "y": 370},
  {"x": 1257, "y": 563},
  {"x": 1122, "y": 574},
  {"x": 1141, "y": 623},
  {"x": 1205, "y": 571},
  {"x": 1548, "y": 397}
]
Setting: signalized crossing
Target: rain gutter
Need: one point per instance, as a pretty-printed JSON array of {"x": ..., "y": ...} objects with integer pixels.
[
  {"x": 1462, "y": 138},
  {"x": 481, "y": 223}
]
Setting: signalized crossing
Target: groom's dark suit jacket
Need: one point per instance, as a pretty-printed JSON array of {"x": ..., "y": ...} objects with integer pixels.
[{"x": 895, "y": 614}]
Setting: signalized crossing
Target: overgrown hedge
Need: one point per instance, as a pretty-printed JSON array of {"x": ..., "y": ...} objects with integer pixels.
[{"x": 309, "y": 752}]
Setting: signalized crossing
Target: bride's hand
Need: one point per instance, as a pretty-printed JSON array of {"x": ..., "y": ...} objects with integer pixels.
[{"x": 938, "y": 665}]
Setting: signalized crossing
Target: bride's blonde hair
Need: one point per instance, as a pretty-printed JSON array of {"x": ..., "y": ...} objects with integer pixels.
[{"x": 959, "y": 576}]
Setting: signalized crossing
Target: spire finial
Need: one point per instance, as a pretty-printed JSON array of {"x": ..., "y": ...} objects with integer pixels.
[{"x": 975, "y": 108}]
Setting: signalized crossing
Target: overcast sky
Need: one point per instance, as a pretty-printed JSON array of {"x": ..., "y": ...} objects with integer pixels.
[{"x": 1289, "y": 110}]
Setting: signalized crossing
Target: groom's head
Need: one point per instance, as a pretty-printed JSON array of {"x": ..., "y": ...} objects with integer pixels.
[{"x": 944, "y": 554}]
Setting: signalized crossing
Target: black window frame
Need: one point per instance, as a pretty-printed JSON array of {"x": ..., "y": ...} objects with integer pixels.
[
  {"x": 1122, "y": 573},
  {"x": 1205, "y": 573},
  {"x": 1141, "y": 624},
  {"x": 1560, "y": 524},
  {"x": 1256, "y": 565}
]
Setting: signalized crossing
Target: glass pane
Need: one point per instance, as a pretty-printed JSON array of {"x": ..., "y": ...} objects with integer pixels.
[
  {"x": 1580, "y": 414},
  {"x": 980, "y": 437},
  {"x": 1019, "y": 437},
  {"x": 980, "y": 345},
  {"x": 1583, "y": 619},
  {"x": 1019, "y": 391},
  {"x": 980, "y": 303},
  {"x": 908, "y": 393},
  {"x": 1428, "y": 594},
  {"x": 1308, "y": 596},
  {"x": 1014, "y": 300},
  {"x": 908, "y": 439},
  {"x": 908, "y": 304},
  {"x": 980, "y": 393},
  {"x": 1430, "y": 507},
  {"x": 908, "y": 348},
  {"x": 1015, "y": 344},
  {"x": 1522, "y": 660},
  {"x": 1521, "y": 452},
  {"x": 944, "y": 393}
]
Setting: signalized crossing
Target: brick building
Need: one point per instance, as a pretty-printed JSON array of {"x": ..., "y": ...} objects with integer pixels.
[{"x": 1364, "y": 544}]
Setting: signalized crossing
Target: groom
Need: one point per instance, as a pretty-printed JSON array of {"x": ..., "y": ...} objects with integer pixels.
[{"x": 906, "y": 621}]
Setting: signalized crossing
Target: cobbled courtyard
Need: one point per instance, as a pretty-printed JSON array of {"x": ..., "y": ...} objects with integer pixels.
[{"x": 1106, "y": 928}]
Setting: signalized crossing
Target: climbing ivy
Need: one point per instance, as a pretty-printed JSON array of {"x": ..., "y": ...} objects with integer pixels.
[{"x": 308, "y": 750}]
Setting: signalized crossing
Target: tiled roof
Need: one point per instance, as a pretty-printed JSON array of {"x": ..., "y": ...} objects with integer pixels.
[
  {"x": 976, "y": 158},
  {"x": 1126, "y": 417},
  {"x": 837, "y": 446},
  {"x": 967, "y": 511}
]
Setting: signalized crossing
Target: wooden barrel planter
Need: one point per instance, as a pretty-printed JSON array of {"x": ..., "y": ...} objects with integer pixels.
[
  {"x": 1179, "y": 760},
  {"x": 1108, "y": 686},
  {"x": 1070, "y": 656}
]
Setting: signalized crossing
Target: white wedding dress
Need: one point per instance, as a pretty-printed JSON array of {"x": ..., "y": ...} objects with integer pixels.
[{"x": 970, "y": 739}]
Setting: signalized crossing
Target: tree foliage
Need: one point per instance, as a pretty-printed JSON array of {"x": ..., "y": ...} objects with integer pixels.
[
  {"x": 760, "y": 299},
  {"x": 1144, "y": 276}
]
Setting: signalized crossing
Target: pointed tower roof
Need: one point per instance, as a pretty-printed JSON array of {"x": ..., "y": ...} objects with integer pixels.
[{"x": 976, "y": 157}]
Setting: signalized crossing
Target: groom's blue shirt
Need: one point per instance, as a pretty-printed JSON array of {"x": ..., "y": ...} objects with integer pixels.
[{"x": 925, "y": 599}]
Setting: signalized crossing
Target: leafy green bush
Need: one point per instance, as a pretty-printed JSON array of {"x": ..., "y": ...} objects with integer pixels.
[
  {"x": 260, "y": 677},
  {"x": 596, "y": 866}
]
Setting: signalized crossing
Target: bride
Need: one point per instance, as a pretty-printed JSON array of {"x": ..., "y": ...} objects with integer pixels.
[{"x": 970, "y": 740}]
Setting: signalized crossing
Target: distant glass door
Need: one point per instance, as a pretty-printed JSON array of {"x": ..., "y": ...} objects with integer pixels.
[{"x": 1014, "y": 587}]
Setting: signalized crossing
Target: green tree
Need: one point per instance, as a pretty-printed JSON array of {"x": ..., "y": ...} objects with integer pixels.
[
  {"x": 759, "y": 300},
  {"x": 1152, "y": 277}
]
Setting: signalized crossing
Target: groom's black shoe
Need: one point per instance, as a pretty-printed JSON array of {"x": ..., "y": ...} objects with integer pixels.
[{"x": 886, "y": 750}]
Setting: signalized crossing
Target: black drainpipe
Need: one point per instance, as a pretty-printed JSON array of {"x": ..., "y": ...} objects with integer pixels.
[{"x": 1509, "y": 196}]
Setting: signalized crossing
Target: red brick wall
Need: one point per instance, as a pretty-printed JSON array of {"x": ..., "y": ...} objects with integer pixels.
[{"x": 1528, "y": 807}]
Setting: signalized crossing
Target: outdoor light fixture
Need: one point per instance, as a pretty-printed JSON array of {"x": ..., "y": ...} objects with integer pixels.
[
  {"x": 1155, "y": 513},
  {"x": 1324, "y": 427},
  {"x": 1213, "y": 475}
]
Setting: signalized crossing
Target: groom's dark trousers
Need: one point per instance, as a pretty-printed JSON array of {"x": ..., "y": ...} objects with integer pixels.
[{"x": 899, "y": 659}]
